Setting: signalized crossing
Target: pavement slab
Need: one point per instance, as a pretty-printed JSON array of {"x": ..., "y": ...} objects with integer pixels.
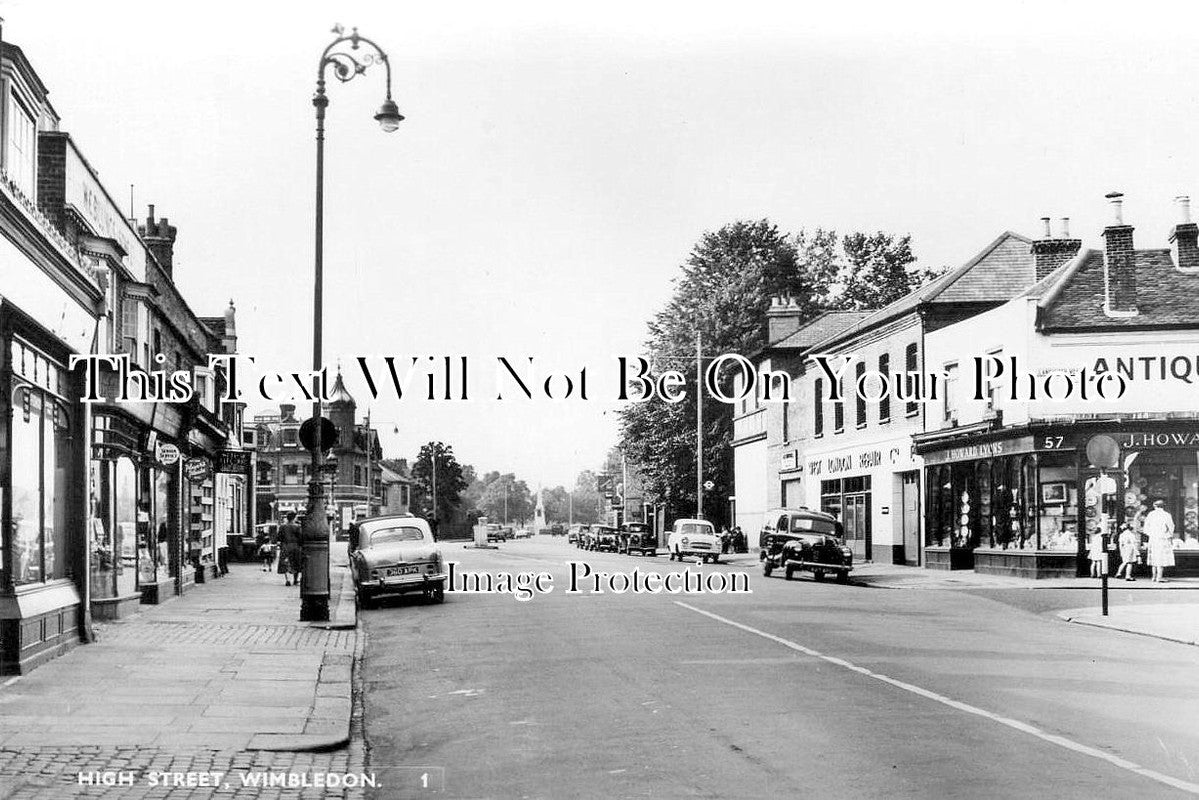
[
  {"x": 191, "y": 684},
  {"x": 1175, "y": 623}
]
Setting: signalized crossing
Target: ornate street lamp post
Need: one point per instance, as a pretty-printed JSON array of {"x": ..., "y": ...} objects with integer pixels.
[{"x": 345, "y": 55}]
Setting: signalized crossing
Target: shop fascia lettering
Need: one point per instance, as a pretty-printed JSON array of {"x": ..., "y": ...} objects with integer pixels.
[
  {"x": 862, "y": 460},
  {"x": 1178, "y": 439}
]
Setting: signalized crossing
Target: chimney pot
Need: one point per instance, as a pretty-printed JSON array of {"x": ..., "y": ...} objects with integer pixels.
[
  {"x": 1184, "y": 208},
  {"x": 151, "y": 217},
  {"x": 1117, "y": 201},
  {"x": 1185, "y": 237},
  {"x": 1120, "y": 264},
  {"x": 1065, "y": 227},
  {"x": 1045, "y": 222},
  {"x": 1049, "y": 253}
]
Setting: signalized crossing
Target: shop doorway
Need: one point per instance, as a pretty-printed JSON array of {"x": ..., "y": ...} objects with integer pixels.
[
  {"x": 909, "y": 509},
  {"x": 856, "y": 520}
]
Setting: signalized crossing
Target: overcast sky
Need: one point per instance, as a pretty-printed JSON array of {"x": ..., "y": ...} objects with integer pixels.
[{"x": 555, "y": 169}]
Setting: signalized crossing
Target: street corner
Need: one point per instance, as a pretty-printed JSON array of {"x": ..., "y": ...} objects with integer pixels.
[{"x": 1173, "y": 623}]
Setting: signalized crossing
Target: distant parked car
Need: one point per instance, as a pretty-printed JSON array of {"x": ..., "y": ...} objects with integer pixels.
[
  {"x": 574, "y": 535},
  {"x": 639, "y": 537},
  {"x": 605, "y": 538},
  {"x": 395, "y": 554},
  {"x": 494, "y": 532},
  {"x": 557, "y": 529},
  {"x": 796, "y": 540},
  {"x": 508, "y": 532},
  {"x": 693, "y": 537},
  {"x": 522, "y": 533}
]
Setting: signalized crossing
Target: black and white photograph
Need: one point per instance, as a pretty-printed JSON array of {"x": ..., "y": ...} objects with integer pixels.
[{"x": 539, "y": 401}]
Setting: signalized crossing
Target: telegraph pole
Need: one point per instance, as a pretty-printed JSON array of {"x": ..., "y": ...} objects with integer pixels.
[{"x": 699, "y": 429}]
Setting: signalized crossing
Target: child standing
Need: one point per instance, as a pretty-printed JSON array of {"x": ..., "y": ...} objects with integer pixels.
[
  {"x": 1128, "y": 552},
  {"x": 1095, "y": 553}
]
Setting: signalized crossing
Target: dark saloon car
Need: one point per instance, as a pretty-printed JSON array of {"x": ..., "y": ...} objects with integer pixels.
[
  {"x": 603, "y": 537},
  {"x": 395, "y": 554},
  {"x": 637, "y": 537},
  {"x": 802, "y": 539}
]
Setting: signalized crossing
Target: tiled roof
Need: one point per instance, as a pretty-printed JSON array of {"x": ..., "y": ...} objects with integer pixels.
[
  {"x": 820, "y": 328},
  {"x": 1073, "y": 297},
  {"x": 214, "y": 324},
  {"x": 997, "y": 274}
]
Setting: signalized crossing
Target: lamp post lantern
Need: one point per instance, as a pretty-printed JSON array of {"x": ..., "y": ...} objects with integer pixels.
[{"x": 348, "y": 59}]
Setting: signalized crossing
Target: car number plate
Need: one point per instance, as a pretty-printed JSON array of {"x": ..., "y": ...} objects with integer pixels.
[{"x": 406, "y": 569}]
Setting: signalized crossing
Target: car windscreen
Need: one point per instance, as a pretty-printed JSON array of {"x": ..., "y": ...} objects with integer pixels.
[
  {"x": 692, "y": 527},
  {"x": 405, "y": 533},
  {"x": 637, "y": 528},
  {"x": 809, "y": 525}
]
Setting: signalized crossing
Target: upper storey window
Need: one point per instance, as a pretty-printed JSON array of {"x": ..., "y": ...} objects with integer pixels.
[{"x": 20, "y": 155}]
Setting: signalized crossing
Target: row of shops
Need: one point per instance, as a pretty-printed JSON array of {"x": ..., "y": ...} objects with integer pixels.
[
  {"x": 103, "y": 505},
  {"x": 988, "y": 475}
]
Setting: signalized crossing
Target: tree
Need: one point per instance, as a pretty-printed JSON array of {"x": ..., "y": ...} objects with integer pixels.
[
  {"x": 450, "y": 481},
  {"x": 723, "y": 292},
  {"x": 585, "y": 506},
  {"x": 879, "y": 270},
  {"x": 505, "y": 498},
  {"x": 557, "y": 504}
]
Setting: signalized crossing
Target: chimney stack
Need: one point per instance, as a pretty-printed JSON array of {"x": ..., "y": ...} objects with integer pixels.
[
  {"x": 1049, "y": 253},
  {"x": 1185, "y": 238},
  {"x": 1119, "y": 262},
  {"x": 783, "y": 319},
  {"x": 159, "y": 237}
]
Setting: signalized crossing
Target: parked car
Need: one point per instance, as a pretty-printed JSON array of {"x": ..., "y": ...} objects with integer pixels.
[
  {"x": 557, "y": 529},
  {"x": 575, "y": 535},
  {"x": 395, "y": 554},
  {"x": 637, "y": 536},
  {"x": 522, "y": 533},
  {"x": 605, "y": 538},
  {"x": 495, "y": 533},
  {"x": 694, "y": 537},
  {"x": 590, "y": 535},
  {"x": 508, "y": 532},
  {"x": 801, "y": 539}
]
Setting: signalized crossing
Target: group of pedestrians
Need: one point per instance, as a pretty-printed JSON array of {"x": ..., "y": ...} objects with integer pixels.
[
  {"x": 287, "y": 545},
  {"x": 1158, "y": 528},
  {"x": 733, "y": 541}
]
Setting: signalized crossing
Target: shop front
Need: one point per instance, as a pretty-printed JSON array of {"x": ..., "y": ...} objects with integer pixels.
[
  {"x": 42, "y": 559},
  {"x": 1026, "y": 501},
  {"x": 868, "y": 487}
]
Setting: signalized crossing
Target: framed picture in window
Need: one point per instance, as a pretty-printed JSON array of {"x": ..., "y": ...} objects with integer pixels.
[{"x": 1053, "y": 494}]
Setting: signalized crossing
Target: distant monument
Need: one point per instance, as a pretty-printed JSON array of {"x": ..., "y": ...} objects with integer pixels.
[{"x": 539, "y": 513}]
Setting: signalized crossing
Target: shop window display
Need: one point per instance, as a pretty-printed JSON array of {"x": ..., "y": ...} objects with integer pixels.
[
  {"x": 1058, "y": 497},
  {"x": 1173, "y": 477},
  {"x": 41, "y": 466},
  {"x": 125, "y": 525}
]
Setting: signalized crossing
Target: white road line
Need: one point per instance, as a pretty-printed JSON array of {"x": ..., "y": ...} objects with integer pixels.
[{"x": 1023, "y": 727}]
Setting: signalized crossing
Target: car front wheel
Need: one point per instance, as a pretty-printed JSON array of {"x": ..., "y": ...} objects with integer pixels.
[
  {"x": 842, "y": 577},
  {"x": 818, "y": 574},
  {"x": 436, "y": 594}
]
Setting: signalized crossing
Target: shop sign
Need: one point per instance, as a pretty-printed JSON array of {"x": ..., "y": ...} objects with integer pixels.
[
  {"x": 1128, "y": 440},
  {"x": 197, "y": 470},
  {"x": 973, "y": 452},
  {"x": 236, "y": 462},
  {"x": 167, "y": 454},
  {"x": 898, "y": 456}
]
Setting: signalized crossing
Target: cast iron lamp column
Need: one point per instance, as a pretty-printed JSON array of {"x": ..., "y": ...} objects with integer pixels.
[{"x": 348, "y": 63}]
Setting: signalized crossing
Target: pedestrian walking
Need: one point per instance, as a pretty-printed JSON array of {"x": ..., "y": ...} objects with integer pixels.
[
  {"x": 1095, "y": 553},
  {"x": 1159, "y": 527},
  {"x": 725, "y": 540},
  {"x": 265, "y": 551},
  {"x": 291, "y": 552},
  {"x": 1129, "y": 542}
]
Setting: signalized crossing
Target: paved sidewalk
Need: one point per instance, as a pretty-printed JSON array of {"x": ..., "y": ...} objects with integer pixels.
[
  {"x": 226, "y": 670},
  {"x": 893, "y": 576},
  {"x": 1177, "y": 622}
]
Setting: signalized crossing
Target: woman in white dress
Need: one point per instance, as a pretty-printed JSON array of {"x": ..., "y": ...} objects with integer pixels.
[{"x": 1159, "y": 527}]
